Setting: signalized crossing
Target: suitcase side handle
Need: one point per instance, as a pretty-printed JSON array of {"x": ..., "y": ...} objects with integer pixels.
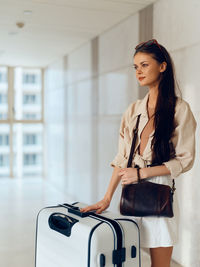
[{"x": 61, "y": 223}]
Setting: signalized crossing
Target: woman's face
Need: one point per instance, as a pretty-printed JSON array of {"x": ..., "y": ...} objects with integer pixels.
[{"x": 148, "y": 70}]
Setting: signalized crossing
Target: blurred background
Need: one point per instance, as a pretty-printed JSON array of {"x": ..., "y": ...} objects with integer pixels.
[{"x": 66, "y": 77}]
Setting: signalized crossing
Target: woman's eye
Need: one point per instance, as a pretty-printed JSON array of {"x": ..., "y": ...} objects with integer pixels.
[{"x": 143, "y": 66}]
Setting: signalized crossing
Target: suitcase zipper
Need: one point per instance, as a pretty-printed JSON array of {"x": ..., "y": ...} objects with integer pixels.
[
  {"x": 119, "y": 252},
  {"x": 89, "y": 242},
  {"x": 133, "y": 248}
]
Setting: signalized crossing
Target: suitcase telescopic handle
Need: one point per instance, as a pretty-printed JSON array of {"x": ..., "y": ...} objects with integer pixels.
[
  {"x": 76, "y": 210},
  {"x": 61, "y": 223}
]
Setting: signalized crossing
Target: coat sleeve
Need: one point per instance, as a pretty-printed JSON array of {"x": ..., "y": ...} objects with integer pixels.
[
  {"x": 120, "y": 160},
  {"x": 183, "y": 140}
]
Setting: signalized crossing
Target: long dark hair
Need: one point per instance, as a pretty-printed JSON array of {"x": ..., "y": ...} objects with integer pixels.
[{"x": 165, "y": 106}]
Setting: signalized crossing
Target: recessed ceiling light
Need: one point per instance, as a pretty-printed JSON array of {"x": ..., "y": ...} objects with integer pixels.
[
  {"x": 28, "y": 12},
  {"x": 20, "y": 24}
]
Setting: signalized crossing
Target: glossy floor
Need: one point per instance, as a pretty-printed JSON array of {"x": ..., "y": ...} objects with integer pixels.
[{"x": 20, "y": 201}]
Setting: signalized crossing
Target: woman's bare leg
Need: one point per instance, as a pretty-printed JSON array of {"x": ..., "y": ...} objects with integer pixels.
[{"x": 161, "y": 257}]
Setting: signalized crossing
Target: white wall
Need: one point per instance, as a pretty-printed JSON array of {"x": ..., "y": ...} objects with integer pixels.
[
  {"x": 93, "y": 102},
  {"x": 176, "y": 26},
  {"x": 79, "y": 124},
  {"x": 117, "y": 88},
  {"x": 54, "y": 123}
]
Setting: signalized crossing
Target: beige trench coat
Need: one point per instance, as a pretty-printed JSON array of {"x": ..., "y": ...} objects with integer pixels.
[
  {"x": 183, "y": 138},
  {"x": 158, "y": 231}
]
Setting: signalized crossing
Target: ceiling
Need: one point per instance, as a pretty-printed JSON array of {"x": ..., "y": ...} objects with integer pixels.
[{"x": 56, "y": 27}]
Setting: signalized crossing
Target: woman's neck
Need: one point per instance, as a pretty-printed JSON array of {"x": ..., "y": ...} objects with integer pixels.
[{"x": 153, "y": 95}]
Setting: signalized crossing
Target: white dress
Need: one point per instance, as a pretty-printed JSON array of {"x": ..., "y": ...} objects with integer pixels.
[{"x": 158, "y": 231}]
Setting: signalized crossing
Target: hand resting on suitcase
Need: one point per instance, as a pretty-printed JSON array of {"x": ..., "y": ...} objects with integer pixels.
[
  {"x": 105, "y": 202},
  {"x": 98, "y": 207}
]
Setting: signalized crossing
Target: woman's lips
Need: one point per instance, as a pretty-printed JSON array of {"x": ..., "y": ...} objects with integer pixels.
[{"x": 141, "y": 78}]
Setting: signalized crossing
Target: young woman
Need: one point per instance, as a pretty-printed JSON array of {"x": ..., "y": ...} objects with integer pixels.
[{"x": 166, "y": 138}]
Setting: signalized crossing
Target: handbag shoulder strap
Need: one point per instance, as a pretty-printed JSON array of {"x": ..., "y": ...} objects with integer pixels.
[{"x": 135, "y": 132}]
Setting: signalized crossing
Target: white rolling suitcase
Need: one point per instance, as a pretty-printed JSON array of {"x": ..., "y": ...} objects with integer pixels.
[{"x": 65, "y": 237}]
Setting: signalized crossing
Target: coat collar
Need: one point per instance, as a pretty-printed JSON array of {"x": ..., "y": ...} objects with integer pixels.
[{"x": 142, "y": 110}]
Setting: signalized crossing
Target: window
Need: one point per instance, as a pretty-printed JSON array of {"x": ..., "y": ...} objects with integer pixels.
[
  {"x": 30, "y": 159},
  {"x": 4, "y": 150},
  {"x": 28, "y": 149},
  {"x": 3, "y": 93},
  {"x": 28, "y": 94},
  {"x": 3, "y": 98},
  {"x": 29, "y": 116},
  {"x": 29, "y": 99},
  {"x": 23, "y": 157},
  {"x": 4, "y": 160},
  {"x": 4, "y": 140},
  {"x": 29, "y": 78},
  {"x": 3, "y": 76},
  {"x": 30, "y": 139},
  {"x": 3, "y": 116}
]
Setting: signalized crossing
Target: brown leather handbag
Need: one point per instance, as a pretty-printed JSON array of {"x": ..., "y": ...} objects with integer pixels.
[{"x": 146, "y": 198}]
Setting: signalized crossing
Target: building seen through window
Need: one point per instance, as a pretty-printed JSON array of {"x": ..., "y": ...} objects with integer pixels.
[
  {"x": 3, "y": 93},
  {"x": 30, "y": 159},
  {"x": 31, "y": 139},
  {"x": 28, "y": 90},
  {"x": 4, "y": 139},
  {"x": 4, "y": 150},
  {"x": 25, "y": 157},
  {"x": 30, "y": 78},
  {"x": 4, "y": 160},
  {"x": 3, "y": 116},
  {"x": 30, "y": 99},
  {"x": 29, "y": 116},
  {"x": 28, "y": 149},
  {"x": 3, "y": 98},
  {"x": 3, "y": 75}
]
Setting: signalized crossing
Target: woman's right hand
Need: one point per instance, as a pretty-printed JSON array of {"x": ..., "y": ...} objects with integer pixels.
[{"x": 98, "y": 207}]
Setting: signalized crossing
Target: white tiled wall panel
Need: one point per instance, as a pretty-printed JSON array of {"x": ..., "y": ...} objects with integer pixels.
[
  {"x": 79, "y": 98},
  {"x": 55, "y": 101},
  {"x": 116, "y": 46},
  {"x": 176, "y": 23},
  {"x": 55, "y": 72},
  {"x": 79, "y": 64},
  {"x": 116, "y": 91},
  {"x": 187, "y": 69},
  {"x": 107, "y": 149},
  {"x": 176, "y": 26},
  {"x": 79, "y": 159},
  {"x": 54, "y": 124},
  {"x": 55, "y": 154}
]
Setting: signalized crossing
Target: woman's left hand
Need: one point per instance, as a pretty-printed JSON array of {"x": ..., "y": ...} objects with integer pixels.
[{"x": 128, "y": 175}]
